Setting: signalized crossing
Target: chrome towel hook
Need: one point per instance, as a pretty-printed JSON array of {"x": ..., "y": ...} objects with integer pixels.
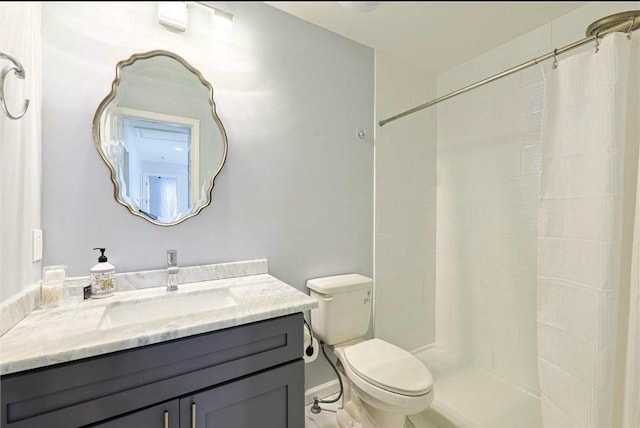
[{"x": 18, "y": 70}]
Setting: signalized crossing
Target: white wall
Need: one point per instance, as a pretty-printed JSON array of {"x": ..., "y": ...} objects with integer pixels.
[
  {"x": 405, "y": 206},
  {"x": 297, "y": 187},
  {"x": 487, "y": 192}
]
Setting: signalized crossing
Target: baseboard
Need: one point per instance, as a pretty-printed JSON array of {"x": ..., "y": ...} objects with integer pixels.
[
  {"x": 321, "y": 391},
  {"x": 423, "y": 348}
]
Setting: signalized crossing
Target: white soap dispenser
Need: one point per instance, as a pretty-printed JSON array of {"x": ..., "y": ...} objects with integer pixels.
[{"x": 103, "y": 277}]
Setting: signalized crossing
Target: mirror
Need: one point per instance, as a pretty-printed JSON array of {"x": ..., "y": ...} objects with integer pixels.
[{"x": 160, "y": 136}]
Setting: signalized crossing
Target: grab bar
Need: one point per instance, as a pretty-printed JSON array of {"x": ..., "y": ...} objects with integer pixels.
[{"x": 18, "y": 70}]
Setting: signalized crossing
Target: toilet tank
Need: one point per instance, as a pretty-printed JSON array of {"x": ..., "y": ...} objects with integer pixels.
[{"x": 344, "y": 307}]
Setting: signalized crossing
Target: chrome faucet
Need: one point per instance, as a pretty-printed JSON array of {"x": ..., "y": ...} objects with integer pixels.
[{"x": 172, "y": 267}]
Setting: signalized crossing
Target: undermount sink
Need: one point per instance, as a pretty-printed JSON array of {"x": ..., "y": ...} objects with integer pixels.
[{"x": 165, "y": 307}]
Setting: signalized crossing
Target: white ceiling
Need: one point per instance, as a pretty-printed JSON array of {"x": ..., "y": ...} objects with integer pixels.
[{"x": 434, "y": 36}]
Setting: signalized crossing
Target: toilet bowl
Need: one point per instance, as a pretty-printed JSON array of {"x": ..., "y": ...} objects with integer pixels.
[
  {"x": 389, "y": 382},
  {"x": 383, "y": 383}
]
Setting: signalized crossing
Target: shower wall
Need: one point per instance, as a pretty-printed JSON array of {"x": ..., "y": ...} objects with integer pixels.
[
  {"x": 405, "y": 169},
  {"x": 487, "y": 191}
]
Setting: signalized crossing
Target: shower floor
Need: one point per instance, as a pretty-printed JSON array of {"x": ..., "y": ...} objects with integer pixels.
[{"x": 467, "y": 395}]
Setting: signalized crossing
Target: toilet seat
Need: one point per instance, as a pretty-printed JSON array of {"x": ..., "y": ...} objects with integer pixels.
[{"x": 388, "y": 367}]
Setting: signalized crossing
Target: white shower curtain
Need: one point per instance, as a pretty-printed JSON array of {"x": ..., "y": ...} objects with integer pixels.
[
  {"x": 588, "y": 368},
  {"x": 20, "y": 165},
  {"x": 631, "y": 399}
]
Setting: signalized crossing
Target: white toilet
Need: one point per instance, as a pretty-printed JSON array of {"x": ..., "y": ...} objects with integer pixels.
[{"x": 385, "y": 383}]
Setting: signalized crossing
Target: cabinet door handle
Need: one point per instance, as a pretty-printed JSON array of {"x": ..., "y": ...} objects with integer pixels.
[
  {"x": 193, "y": 415},
  {"x": 166, "y": 419}
]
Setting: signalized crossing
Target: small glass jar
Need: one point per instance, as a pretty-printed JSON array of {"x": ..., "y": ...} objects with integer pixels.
[
  {"x": 51, "y": 293},
  {"x": 73, "y": 291},
  {"x": 51, "y": 287}
]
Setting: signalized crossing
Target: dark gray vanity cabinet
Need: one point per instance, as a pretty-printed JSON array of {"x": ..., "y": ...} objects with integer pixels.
[
  {"x": 162, "y": 415},
  {"x": 257, "y": 401},
  {"x": 249, "y": 376}
]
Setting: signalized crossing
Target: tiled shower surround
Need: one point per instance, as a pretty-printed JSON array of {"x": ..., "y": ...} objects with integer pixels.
[{"x": 487, "y": 196}]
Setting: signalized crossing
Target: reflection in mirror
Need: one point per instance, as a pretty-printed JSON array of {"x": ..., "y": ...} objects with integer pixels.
[{"x": 160, "y": 136}]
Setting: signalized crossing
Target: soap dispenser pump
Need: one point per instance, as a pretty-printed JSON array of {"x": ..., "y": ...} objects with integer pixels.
[{"x": 103, "y": 277}]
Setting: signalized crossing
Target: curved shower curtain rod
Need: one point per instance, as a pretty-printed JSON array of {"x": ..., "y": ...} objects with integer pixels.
[{"x": 625, "y": 22}]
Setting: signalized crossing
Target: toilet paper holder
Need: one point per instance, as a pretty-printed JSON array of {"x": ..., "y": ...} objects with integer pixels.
[
  {"x": 311, "y": 345},
  {"x": 309, "y": 349}
]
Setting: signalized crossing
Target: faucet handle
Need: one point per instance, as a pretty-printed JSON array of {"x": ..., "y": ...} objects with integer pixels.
[
  {"x": 172, "y": 268},
  {"x": 172, "y": 258}
]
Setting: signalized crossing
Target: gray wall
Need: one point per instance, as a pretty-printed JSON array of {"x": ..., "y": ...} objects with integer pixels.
[{"x": 297, "y": 187}]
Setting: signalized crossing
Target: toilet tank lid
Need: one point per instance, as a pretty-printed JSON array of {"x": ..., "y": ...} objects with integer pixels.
[{"x": 339, "y": 283}]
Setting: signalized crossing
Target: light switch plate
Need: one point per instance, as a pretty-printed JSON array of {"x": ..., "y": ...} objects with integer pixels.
[{"x": 36, "y": 245}]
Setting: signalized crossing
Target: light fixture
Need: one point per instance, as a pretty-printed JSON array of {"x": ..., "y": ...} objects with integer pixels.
[
  {"x": 174, "y": 14},
  {"x": 359, "y": 6},
  {"x": 222, "y": 20}
]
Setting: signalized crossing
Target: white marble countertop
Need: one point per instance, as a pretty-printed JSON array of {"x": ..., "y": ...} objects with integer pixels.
[{"x": 80, "y": 330}]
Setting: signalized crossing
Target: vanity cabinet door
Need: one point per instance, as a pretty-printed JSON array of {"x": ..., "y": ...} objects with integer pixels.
[
  {"x": 163, "y": 415},
  {"x": 273, "y": 398}
]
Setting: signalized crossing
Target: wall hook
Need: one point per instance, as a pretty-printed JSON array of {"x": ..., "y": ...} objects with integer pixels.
[{"x": 555, "y": 59}]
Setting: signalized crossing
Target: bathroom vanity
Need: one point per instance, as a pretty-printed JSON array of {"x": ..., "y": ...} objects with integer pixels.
[{"x": 236, "y": 366}]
